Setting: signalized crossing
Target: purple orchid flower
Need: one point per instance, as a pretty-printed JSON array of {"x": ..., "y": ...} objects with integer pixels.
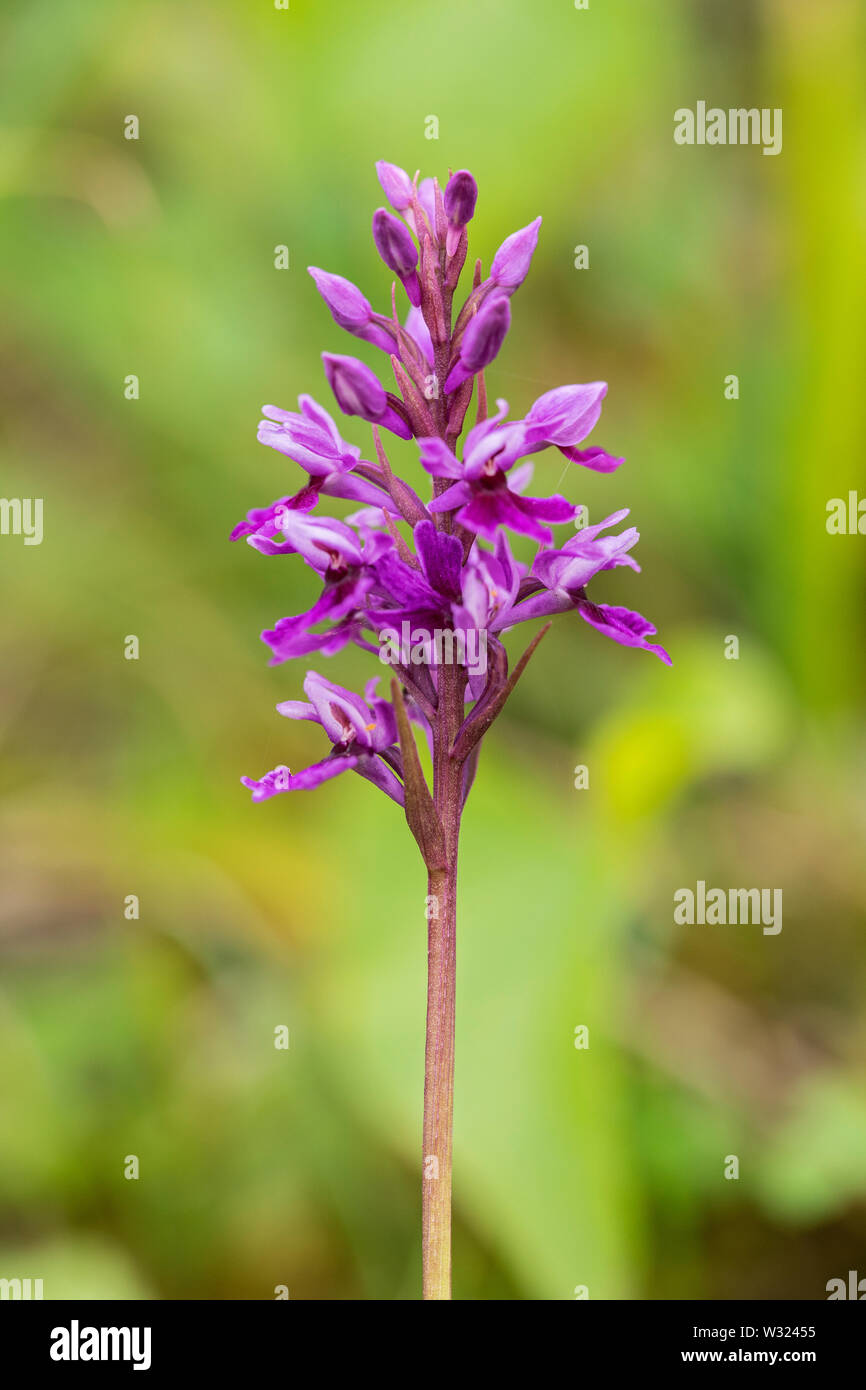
[
  {"x": 447, "y": 596},
  {"x": 490, "y": 586},
  {"x": 444, "y": 570},
  {"x": 481, "y": 492},
  {"x": 363, "y": 734},
  {"x": 422, "y": 595},
  {"x": 312, "y": 440},
  {"x": 564, "y": 417},
  {"x": 345, "y": 562},
  {"x": 585, "y": 554},
  {"x": 558, "y": 580}
]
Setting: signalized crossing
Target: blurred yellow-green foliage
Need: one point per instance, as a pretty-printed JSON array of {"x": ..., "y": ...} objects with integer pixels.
[{"x": 154, "y": 1037}]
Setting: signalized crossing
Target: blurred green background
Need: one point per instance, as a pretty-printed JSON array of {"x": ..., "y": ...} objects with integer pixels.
[{"x": 154, "y": 1037}]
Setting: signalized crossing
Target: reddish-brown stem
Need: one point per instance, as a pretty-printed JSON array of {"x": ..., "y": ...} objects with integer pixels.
[{"x": 441, "y": 988}]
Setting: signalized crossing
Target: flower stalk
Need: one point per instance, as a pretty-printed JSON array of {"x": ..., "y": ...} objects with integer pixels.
[
  {"x": 442, "y": 569},
  {"x": 439, "y": 1083}
]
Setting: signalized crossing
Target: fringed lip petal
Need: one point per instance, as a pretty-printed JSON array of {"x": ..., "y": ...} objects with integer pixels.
[
  {"x": 280, "y": 779},
  {"x": 623, "y": 625}
]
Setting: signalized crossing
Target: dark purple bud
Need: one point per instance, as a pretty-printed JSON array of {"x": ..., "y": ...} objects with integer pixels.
[
  {"x": 512, "y": 261},
  {"x": 398, "y": 251},
  {"x": 482, "y": 340},
  {"x": 394, "y": 243},
  {"x": 358, "y": 391},
  {"x": 460, "y": 197}
]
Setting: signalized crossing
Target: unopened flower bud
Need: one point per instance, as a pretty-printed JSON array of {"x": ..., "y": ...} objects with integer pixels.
[
  {"x": 350, "y": 309},
  {"x": 482, "y": 340},
  {"x": 461, "y": 193},
  {"x": 398, "y": 251},
  {"x": 358, "y": 391},
  {"x": 512, "y": 261},
  {"x": 396, "y": 185}
]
